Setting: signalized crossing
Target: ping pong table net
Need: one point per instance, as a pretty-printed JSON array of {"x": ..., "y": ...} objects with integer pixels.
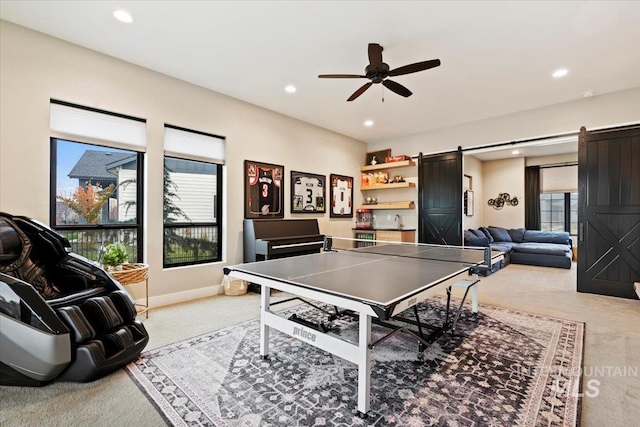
[{"x": 466, "y": 255}]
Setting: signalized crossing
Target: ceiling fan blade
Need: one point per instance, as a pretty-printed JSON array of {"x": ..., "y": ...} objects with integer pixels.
[
  {"x": 397, "y": 88},
  {"x": 414, "y": 68},
  {"x": 375, "y": 54},
  {"x": 341, "y": 76},
  {"x": 360, "y": 91}
]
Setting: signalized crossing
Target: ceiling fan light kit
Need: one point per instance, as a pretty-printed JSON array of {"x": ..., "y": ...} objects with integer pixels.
[{"x": 378, "y": 72}]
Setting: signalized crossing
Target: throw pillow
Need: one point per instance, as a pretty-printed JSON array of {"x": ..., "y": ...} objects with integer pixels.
[
  {"x": 486, "y": 233},
  {"x": 477, "y": 233},
  {"x": 517, "y": 234},
  {"x": 470, "y": 239},
  {"x": 500, "y": 234}
]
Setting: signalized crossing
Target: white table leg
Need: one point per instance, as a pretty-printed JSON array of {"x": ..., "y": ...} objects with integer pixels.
[
  {"x": 364, "y": 364},
  {"x": 474, "y": 293},
  {"x": 265, "y": 297}
]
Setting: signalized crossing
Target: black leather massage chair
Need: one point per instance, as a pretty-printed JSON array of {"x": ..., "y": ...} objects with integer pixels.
[{"x": 61, "y": 317}]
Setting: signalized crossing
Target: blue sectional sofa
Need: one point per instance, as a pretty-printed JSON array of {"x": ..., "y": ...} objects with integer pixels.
[{"x": 522, "y": 246}]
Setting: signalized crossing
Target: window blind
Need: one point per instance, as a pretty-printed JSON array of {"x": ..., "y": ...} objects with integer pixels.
[
  {"x": 193, "y": 145},
  {"x": 560, "y": 179},
  {"x": 75, "y": 122}
]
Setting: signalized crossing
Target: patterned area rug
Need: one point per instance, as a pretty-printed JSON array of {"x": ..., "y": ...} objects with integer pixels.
[{"x": 502, "y": 368}]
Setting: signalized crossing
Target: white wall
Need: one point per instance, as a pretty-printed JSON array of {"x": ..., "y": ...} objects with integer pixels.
[
  {"x": 599, "y": 111},
  {"x": 503, "y": 176},
  {"x": 35, "y": 68}
]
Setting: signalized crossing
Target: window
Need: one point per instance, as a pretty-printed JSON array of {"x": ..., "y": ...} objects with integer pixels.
[
  {"x": 559, "y": 212},
  {"x": 192, "y": 207},
  {"x": 97, "y": 179},
  {"x": 96, "y": 197}
]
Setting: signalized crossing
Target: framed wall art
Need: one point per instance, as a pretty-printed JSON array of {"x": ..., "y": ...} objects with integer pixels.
[
  {"x": 468, "y": 203},
  {"x": 341, "y": 196},
  {"x": 308, "y": 192},
  {"x": 467, "y": 182},
  {"x": 263, "y": 190}
]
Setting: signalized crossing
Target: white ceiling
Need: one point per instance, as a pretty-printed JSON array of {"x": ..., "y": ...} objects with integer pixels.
[{"x": 497, "y": 57}]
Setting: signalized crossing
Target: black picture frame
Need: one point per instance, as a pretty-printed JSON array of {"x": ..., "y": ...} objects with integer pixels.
[
  {"x": 468, "y": 203},
  {"x": 341, "y": 188},
  {"x": 263, "y": 190},
  {"x": 308, "y": 193}
]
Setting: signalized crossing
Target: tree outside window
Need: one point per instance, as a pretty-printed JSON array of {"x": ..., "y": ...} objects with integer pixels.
[
  {"x": 191, "y": 212},
  {"x": 94, "y": 198}
]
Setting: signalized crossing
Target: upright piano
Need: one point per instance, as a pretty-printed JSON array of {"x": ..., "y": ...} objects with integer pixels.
[{"x": 278, "y": 238}]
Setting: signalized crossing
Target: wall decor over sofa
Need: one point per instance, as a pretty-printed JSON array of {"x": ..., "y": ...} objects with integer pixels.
[{"x": 503, "y": 199}]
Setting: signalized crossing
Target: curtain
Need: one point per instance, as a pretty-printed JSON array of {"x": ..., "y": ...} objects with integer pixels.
[{"x": 532, "y": 198}]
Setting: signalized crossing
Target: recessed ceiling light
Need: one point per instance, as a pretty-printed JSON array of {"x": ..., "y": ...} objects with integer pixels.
[
  {"x": 290, "y": 89},
  {"x": 560, "y": 73},
  {"x": 514, "y": 152},
  {"x": 588, "y": 94},
  {"x": 123, "y": 16},
  {"x": 368, "y": 123}
]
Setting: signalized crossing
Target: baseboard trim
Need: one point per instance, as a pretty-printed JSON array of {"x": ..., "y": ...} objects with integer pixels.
[{"x": 184, "y": 296}]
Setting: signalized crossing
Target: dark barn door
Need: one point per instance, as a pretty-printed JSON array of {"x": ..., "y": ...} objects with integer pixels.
[
  {"x": 440, "y": 199},
  {"x": 609, "y": 212}
]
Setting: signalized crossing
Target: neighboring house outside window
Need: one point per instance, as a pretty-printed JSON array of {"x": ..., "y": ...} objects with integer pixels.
[
  {"x": 559, "y": 212},
  {"x": 96, "y": 197},
  {"x": 192, "y": 212}
]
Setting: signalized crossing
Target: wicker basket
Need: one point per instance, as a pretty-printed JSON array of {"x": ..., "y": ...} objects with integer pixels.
[
  {"x": 234, "y": 286},
  {"x": 131, "y": 273}
]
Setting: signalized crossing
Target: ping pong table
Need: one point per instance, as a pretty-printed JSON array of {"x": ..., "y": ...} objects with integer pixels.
[{"x": 372, "y": 284}]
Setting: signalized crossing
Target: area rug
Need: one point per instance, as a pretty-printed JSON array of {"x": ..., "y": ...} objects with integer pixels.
[{"x": 501, "y": 368}]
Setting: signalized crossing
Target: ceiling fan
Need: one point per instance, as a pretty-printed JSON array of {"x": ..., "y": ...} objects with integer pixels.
[{"x": 377, "y": 71}]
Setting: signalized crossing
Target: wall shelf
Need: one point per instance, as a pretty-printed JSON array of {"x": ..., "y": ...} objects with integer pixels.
[
  {"x": 405, "y": 184},
  {"x": 370, "y": 169},
  {"x": 389, "y": 205},
  {"x": 390, "y": 165}
]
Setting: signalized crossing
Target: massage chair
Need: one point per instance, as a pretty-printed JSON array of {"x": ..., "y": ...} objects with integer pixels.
[{"x": 61, "y": 316}]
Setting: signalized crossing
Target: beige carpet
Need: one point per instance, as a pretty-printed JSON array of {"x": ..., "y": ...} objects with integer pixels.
[{"x": 612, "y": 340}]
